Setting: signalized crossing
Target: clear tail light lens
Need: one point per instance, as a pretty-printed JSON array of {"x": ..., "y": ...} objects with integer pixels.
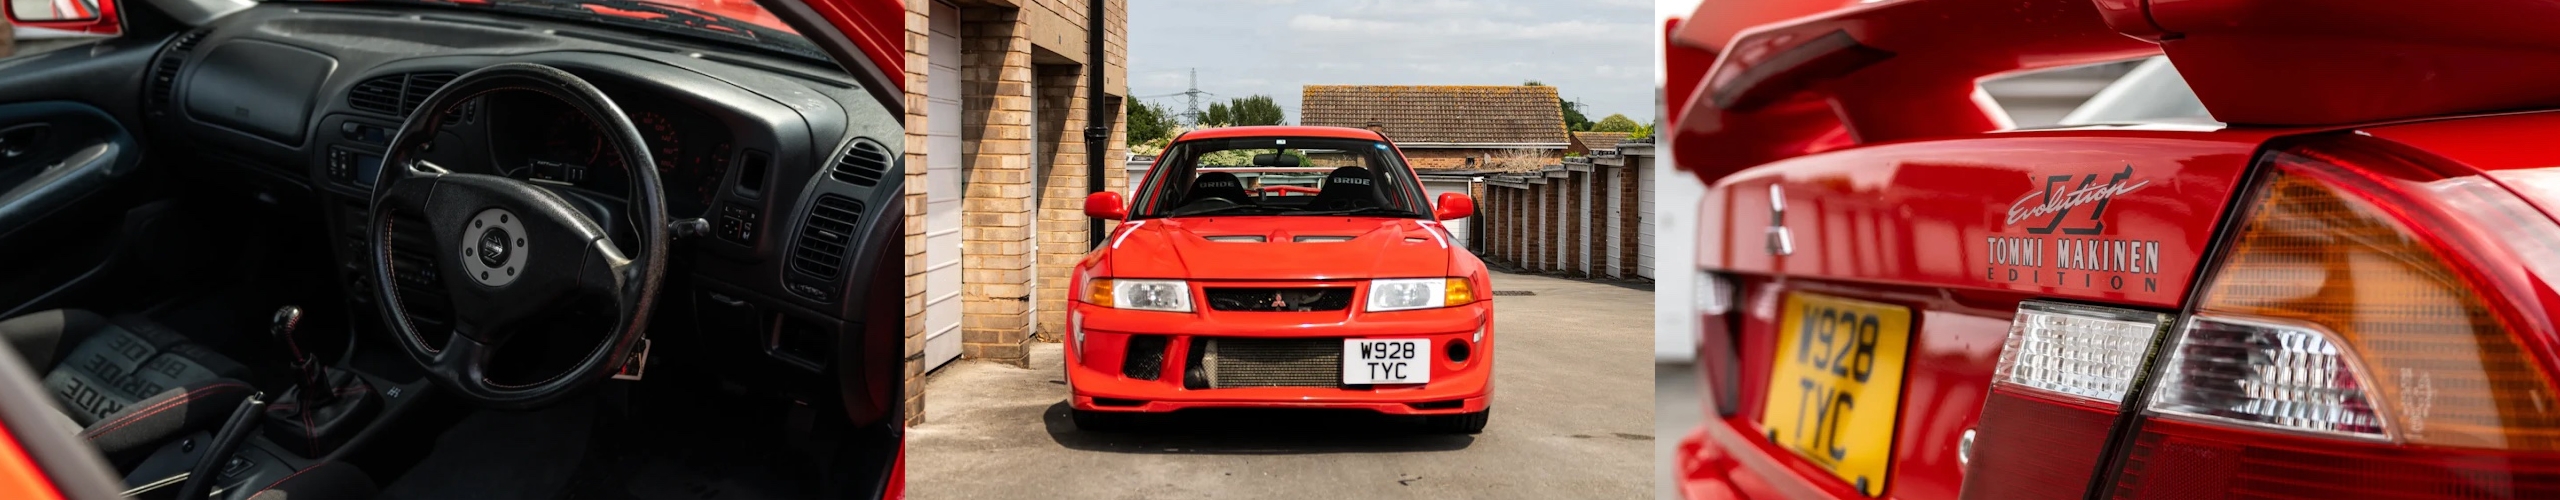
[
  {"x": 2267, "y": 374},
  {"x": 2078, "y": 351}
]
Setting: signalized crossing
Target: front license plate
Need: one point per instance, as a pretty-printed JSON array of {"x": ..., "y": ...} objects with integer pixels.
[
  {"x": 1386, "y": 361},
  {"x": 1835, "y": 384}
]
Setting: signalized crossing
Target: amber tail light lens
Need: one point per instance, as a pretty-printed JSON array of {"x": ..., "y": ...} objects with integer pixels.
[{"x": 2359, "y": 338}]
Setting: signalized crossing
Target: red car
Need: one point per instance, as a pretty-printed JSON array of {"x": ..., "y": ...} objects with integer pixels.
[
  {"x": 2315, "y": 260},
  {"x": 1281, "y": 267},
  {"x": 468, "y": 249}
]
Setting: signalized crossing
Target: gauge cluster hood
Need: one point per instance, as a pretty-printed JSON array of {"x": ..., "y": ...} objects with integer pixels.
[{"x": 1280, "y": 248}]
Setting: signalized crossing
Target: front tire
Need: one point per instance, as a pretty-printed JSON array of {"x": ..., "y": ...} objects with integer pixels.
[
  {"x": 1099, "y": 421},
  {"x": 1463, "y": 423}
]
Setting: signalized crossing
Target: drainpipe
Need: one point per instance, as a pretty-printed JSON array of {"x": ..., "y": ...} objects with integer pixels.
[{"x": 1097, "y": 134}]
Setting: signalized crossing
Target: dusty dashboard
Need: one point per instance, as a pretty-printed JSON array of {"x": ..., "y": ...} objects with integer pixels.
[{"x": 785, "y": 163}]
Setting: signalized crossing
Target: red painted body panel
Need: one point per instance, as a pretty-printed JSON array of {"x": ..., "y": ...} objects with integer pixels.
[
  {"x": 1921, "y": 213},
  {"x": 1934, "y": 221},
  {"x": 1380, "y": 247}
]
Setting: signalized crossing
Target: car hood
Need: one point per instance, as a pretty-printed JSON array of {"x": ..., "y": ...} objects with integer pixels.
[{"x": 1280, "y": 248}]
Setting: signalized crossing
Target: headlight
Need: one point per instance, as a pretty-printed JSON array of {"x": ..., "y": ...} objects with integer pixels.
[
  {"x": 1403, "y": 294},
  {"x": 1144, "y": 295}
]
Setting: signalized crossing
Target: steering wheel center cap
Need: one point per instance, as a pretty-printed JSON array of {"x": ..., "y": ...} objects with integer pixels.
[{"x": 493, "y": 247}]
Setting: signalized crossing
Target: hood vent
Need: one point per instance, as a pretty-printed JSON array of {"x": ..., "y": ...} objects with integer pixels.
[
  {"x": 863, "y": 164},
  {"x": 1238, "y": 238},
  {"x": 826, "y": 238},
  {"x": 164, "y": 73},
  {"x": 397, "y": 95},
  {"x": 1320, "y": 239}
]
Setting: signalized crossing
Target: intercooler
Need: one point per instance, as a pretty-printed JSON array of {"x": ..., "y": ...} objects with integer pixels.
[{"x": 1231, "y": 362}]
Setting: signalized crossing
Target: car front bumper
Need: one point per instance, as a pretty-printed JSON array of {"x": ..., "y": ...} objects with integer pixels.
[{"x": 1099, "y": 338}]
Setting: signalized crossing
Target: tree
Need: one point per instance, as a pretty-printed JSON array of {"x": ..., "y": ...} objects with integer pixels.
[
  {"x": 1149, "y": 123},
  {"x": 1217, "y": 116},
  {"x": 1616, "y": 123},
  {"x": 1256, "y": 110},
  {"x": 1573, "y": 119}
]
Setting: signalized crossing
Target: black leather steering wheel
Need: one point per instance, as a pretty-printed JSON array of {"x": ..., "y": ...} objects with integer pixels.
[{"x": 510, "y": 252}]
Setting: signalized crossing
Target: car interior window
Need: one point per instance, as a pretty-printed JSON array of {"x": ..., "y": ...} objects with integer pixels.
[{"x": 1273, "y": 176}]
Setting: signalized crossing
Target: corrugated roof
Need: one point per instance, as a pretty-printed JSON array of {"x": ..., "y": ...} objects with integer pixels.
[{"x": 1506, "y": 114}]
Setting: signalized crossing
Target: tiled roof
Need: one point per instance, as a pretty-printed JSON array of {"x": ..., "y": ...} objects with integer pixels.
[
  {"x": 1506, "y": 114},
  {"x": 1601, "y": 141}
]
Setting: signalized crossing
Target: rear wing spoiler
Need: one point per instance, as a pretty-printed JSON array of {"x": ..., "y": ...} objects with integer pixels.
[
  {"x": 1907, "y": 69},
  {"x": 1871, "y": 73}
]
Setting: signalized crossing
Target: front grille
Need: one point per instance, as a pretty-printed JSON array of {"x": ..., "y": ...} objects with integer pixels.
[
  {"x": 1279, "y": 299},
  {"x": 1226, "y": 363}
]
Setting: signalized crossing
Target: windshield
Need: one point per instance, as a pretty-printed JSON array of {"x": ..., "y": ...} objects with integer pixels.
[
  {"x": 1279, "y": 176},
  {"x": 739, "y": 22}
]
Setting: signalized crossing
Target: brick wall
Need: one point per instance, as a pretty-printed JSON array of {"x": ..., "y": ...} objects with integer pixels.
[
  {"x": 996, "y": 220},
  {"x": 1630, "y": 219},
  {"x": 917, "y": 66},
  {"x": 1456, "y": 158},
  {"x": 1598, "y": 232}
]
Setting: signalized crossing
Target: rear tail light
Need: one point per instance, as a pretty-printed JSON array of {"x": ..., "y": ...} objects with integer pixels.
[
  {"x": 2360, "y": 338},
  {"x": 2063, "y": 377}
]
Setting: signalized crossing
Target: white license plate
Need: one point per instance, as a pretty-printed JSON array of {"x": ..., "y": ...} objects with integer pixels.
[{"x": 1386, "y": 361}]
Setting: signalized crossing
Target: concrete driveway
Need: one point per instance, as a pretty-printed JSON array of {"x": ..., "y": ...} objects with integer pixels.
[{"x": 1572, "y": 418}]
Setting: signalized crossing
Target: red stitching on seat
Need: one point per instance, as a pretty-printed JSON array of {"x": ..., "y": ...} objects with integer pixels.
[{"x": 155, "y": 409}]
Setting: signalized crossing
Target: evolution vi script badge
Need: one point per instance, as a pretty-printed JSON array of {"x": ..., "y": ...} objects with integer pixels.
[{"x": 2084, "y": 258}]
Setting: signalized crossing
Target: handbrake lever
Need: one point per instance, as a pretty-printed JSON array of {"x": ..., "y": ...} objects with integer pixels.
[{"x": 236, "y": 429}]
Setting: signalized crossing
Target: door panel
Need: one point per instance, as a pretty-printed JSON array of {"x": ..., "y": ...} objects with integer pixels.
[{"x": 71, "y": 168}]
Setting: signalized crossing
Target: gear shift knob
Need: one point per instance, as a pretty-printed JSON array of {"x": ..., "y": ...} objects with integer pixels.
[
  {"x": 282, "y": 326},
  {"x": 306, "y": 367}
]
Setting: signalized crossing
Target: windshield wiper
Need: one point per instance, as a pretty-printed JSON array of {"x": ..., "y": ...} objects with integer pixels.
[{"x": 1357, "y": 211}]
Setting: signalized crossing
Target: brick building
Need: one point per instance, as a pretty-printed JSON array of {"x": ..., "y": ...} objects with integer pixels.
[
  {"x": 1449, "y": 127},
  {"x": 1591, "y": 143},
  {"x": 996, "y": 170},
  {"x": 1587, "y": 216}
]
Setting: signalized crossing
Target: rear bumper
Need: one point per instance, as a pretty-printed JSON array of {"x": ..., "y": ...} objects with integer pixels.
[{"x": 1098, "y": 337}]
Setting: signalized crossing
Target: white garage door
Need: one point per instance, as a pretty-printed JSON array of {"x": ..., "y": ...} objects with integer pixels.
[
  {"x": 1612, "y": 262},
  {"x": 1458, "y": 227},
  {"x": 942, "y": 189},
  {"x": 1645, "y": 202}
]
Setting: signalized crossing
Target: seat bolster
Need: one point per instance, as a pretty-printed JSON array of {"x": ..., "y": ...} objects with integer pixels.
[
  {"x": 139, "y": 429},
  {"x": 41, "y": 337}
]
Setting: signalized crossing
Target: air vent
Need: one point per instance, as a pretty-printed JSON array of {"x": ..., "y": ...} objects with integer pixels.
[
  {"x": 826, "y": 238},
  {"x": 863, "y": 164},
  {"x": 399, "y": 94},
  {"x": 379, "y": 95},
  {"x": 164, "y": 73}
]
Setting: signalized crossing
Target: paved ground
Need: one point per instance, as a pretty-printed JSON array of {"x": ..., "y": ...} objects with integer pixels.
[
  {"x": 1675, "y": 413},
  {"x": 1570, "y": 420}
]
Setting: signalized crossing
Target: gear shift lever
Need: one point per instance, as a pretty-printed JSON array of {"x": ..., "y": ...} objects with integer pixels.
[
  {"x": 326, "y": 406},
  {"x": 307, "y": 370}
]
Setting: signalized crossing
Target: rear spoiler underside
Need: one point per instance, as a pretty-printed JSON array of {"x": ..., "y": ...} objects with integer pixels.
[{"x": 1908, "y": 69}]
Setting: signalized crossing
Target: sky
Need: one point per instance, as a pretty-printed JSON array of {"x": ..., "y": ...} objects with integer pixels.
[{"x": 1596, "y": 52}]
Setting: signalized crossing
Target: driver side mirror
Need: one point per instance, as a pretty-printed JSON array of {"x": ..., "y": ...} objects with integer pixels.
[
  {"x": 1453, "y": 206},
  {"x": 1105, "y": 205},
  {"x": 80, "y": 18}
]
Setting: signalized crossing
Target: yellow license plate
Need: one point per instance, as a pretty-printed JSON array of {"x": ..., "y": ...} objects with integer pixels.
[{"x": 1836, "y": 382}]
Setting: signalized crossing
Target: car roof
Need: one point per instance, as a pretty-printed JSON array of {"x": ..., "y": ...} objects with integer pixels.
[{"x": 1281, "y": 131}]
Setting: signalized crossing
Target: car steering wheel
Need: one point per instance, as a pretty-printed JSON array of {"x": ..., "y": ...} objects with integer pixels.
[{"x": 510, "y": 252}]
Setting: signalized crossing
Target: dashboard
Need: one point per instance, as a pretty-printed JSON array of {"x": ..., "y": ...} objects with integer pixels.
[
  {"x": 533, "y": 137},
  {"x": 784, "y": 161}
]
